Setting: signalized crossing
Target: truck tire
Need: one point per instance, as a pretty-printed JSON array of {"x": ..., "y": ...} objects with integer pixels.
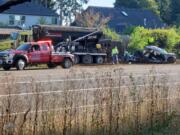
[
  {"x": 51, "y": 65},
  {"x": 20, "y": 64},
  {"x": 87, "y": 59},
  {"x": 76, "y": 59},
  {"x": 6, "y": 67},
  {"x": 67, "y": 63},
  {"x": 99, "y": 60}
]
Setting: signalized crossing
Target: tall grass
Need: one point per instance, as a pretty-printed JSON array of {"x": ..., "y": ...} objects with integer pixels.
[{"x": 107, "y": 103}]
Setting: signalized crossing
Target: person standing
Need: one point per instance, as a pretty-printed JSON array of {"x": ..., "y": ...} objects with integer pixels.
[{"x": 115, "y": 52}]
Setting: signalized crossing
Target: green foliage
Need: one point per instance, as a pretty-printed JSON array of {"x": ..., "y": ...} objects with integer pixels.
[
  {"x": 68, "y": 9},
  {"x": 177, "y": 49},
  {"x": 164, "y": 38},
  {"x": 129, "y": 30},
  {"x": 168, "y": 10},
  {"x": 146, "y": 4},
  {"x": 42, "y": 20},
  {"x": 111, "y": 34},
  {"x": 127, "y": 3},
  {"x": 47, "y": 3}
]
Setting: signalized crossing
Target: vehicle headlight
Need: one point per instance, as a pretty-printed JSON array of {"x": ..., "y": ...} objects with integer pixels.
[{"x": 10, "y": 56}]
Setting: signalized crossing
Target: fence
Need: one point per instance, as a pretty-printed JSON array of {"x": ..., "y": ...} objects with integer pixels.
[{"x": 105, "y": 105}]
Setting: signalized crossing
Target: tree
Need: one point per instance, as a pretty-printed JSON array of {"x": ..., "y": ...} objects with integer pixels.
[
  {"x": 47, "y": 3},
  {"x": 176, "y": 12},
  {"x": 68, "y": 9},
  {"x": 91, "y": 19},
  {"x": 127, "y": 3},
  {"x": 165, "y": 10},
  {"x": 160, "y": 7},
  {"x": 42, "y": 20},
  {"x": 145, "y": 4}
]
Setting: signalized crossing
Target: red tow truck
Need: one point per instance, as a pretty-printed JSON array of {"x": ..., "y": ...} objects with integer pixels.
[{"x": 34, "y": 53}]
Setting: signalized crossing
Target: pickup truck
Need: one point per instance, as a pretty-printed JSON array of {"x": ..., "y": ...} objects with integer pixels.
[{"x": 34, "y": 53}]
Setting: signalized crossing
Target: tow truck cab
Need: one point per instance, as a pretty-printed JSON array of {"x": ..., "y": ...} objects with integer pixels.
[{"x": 33, "y": 53}]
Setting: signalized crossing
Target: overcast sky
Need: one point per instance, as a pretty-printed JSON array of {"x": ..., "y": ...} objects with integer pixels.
[{"x": 104, "y": 3}]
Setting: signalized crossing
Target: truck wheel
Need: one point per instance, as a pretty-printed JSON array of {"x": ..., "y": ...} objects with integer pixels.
[
  {"x": 20, "y": 64},
  {"x": 6, "y": 67},
  {"x": 87, "y": 59},
  {"x": 99, "y": 60},
  {"x": 76, "y": 59},
  {"x": 67, "y": 63},
  {"x": 51, "y": 65},
  {"x": 171, "y": 60}
]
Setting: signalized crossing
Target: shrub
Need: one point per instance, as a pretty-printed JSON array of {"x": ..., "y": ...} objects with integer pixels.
[
  {"x": 177, "y": 49},
  {"x": 164, "y": 38},
  {"x": 111, "y": 34}
]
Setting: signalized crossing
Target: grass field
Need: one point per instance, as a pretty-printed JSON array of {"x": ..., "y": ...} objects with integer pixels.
[{"x": 104, "y": 105}]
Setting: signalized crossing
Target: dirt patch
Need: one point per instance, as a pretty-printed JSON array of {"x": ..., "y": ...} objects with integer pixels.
[{"x": 178, "y": 61}]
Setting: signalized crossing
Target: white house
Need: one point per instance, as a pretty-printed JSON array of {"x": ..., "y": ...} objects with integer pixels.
[{"x": 27, "y": 14}]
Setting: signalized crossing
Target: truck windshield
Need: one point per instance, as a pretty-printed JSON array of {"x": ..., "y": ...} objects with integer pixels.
[{"x": 23, "y": 47}]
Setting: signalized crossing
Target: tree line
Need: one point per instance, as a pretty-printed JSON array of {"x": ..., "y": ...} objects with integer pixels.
[
  {"x": 168, "y": 10},
  {"x": 67, "y": 9}
]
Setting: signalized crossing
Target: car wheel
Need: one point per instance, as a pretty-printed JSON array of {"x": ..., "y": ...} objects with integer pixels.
[
  {"x": 67, "y": 63},
  {"x": 87, "y": 59},
  {"x": 171, "y": 60},
  {"x": 20, "y": 64},
  {"x": 6, "y": 67},
  {"x": 99, "y": 60},
  {"x": 51, "y": 65}
]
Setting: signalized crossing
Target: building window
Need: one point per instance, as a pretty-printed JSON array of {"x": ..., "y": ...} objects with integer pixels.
[
  {"x": 23, "y": 20},
  {"x": 11, "y": 20},
  {"x": 54, "y": 20},
  {"x": 17, "y": 20}
]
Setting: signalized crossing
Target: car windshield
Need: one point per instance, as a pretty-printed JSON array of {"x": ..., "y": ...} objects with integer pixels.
[{"x": 23, "y": 47}]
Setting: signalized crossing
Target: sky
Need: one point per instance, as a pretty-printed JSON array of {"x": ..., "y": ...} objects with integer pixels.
[{"x": 104, "y": 3}]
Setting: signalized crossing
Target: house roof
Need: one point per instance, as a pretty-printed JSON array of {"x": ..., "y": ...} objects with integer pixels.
[
  {"x": 130, "y": 17},
  {"x": 29, "y": 8},
  {"x": 6, "y": 4}
]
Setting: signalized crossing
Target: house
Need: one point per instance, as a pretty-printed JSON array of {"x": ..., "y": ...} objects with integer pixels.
[
  {"x": 123, "y": 18},
  {"x": 27, "y": 14}
]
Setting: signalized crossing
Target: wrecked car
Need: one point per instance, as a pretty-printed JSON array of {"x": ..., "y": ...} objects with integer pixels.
[{"x": 152, "y": 54}]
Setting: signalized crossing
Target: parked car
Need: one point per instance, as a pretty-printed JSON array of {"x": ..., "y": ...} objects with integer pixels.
[
  {"x": 34, "y": 53},
  {"x": 152, "y": 54}
]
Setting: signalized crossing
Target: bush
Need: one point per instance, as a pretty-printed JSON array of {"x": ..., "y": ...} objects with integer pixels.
[
  {"x": 164, "y": 38},
  {"x": 111, "y": 34},
  {"x": 177, "y": 49}
]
